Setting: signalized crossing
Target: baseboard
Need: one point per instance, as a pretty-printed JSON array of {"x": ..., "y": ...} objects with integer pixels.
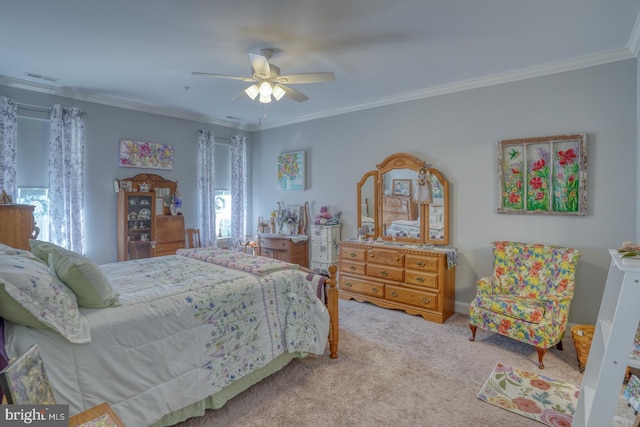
[{"x": 461, "y": 307}]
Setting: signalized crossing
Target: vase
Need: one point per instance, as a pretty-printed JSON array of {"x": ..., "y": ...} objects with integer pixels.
[
  {"x": 323, "y": 221},
  {"x": 173, "y": 209},
  {"x": 286, "y": 228}
]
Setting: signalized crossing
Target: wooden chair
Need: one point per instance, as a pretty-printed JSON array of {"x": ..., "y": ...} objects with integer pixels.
[{"x": 192, "y": 237}]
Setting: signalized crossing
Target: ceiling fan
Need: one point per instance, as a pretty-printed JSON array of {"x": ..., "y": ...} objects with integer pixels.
[{"x": 267, "y": 81}]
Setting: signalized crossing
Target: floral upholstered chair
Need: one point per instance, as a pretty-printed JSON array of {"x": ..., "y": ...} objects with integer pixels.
[{"x": 528, "y": 296}]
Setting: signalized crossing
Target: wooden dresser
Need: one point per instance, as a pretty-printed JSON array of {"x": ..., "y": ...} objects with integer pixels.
[
  {"x": 405, "y": 277},
  {"x": 17, "y": 225},
  {"x": 395, "y": 208},
  {"x": 293, "y": 249},
  {"x": 169, "y": 234}
]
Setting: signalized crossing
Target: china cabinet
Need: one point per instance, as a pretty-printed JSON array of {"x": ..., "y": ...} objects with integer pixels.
[
  {"x": 324, "y": 247},
  {"x": 402, "y": 259},
  {"x": 17, "y": 225},
  {"x": 142, "y": 229},
  {"x": 612, "y": 342}
]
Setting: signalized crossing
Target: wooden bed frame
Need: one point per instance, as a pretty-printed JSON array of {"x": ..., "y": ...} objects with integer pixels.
[{"x": 331, "y": 289}]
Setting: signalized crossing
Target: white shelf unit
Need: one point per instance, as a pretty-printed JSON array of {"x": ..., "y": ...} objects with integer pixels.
[{"x": 612, "y": 344}]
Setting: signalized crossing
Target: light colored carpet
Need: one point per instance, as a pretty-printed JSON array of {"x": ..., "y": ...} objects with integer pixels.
[{"x": 393, "y": 369}]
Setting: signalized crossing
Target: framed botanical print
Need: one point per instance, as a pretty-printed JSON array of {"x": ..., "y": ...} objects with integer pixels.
[
  {"x": 292, "y": 171},
  {"x": 543, "y": 175}
]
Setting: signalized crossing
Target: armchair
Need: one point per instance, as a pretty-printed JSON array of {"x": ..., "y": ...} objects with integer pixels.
[{"x": 528, "y": 296}]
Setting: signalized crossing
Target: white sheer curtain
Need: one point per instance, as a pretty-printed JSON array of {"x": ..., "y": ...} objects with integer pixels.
[
  {"x": 8, "y": 146},
  {"x": 238, "y": 189},
  {"x": 66, "y": 178},
  {"x": 206, "y": 188}
]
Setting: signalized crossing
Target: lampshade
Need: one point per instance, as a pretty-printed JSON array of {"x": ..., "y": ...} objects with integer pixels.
[
  {"x": 278, "y": 92},
  {"x": 252, "y": 91},
  {"x": 264, "y": 99}
]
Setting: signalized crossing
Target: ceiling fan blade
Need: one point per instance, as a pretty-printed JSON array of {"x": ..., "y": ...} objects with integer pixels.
[
  {"x": 224, "y": 76},
  {"x": 260, "y": 65},
  {"x": 306, "y": 78},
  {"x": 294, "y": 94}
]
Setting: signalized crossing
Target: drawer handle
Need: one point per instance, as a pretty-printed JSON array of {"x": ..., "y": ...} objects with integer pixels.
[
  {"x": 353, "y": 254},
  {"x": 396, "y": 259},
  {"x": 421, "y": 264},
  {"x": 374, "y": 290},
  {"x": 420, "y": 279},
  {"x": 353, "y": 268},
  {"x": 384, "y": 273},
  {"x": 426, "y": 300},
  {"x": 372, "y": 255},
  {"x": 348, "y": 284},
  {"x": 394, "y": 294}
]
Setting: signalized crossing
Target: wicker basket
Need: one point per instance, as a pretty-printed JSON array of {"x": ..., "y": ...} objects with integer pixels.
[{"x": 582, "y": 336}]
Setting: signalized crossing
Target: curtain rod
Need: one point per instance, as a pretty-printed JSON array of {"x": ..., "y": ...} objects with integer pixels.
[{"x": 33, "y": 107}]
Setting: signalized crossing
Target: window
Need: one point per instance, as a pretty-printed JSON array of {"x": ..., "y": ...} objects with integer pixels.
[
  {"x": 38, "y": 197},
  {"x": 222, "y": 201},
  {"x": 32, "y": 169},
  {"x": 223, "y": 213}
]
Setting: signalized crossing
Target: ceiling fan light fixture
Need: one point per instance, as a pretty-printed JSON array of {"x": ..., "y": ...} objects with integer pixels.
[
  {"x": 278, "y": 92},
  {"x": 264, "y": 99},
  {"x": 265, "y": 89},
  {"x": 252, "y": 91}
]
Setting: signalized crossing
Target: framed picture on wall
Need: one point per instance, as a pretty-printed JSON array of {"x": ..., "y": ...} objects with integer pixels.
[
  {"x": 543, "y": 175},
  {"x": 292, "y": 171},
  {"x": 402, "y": 187}
]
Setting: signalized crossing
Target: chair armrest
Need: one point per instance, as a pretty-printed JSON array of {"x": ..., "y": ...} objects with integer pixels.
[{"x": 488, "y": 285}]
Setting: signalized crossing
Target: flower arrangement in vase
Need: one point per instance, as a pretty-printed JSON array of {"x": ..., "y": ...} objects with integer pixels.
[
  {"x": 288, "y": 221},
  {"x": 629, "y": 249}
]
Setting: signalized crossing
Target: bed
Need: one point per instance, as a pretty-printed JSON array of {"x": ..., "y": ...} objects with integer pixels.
[
  {"x": 174, "y": 335},
  {"x": 404, "y": 228}
]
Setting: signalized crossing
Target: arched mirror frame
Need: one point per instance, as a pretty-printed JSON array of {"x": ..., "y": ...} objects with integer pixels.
[
  {"x": 372, "y": 204},
  {"x": 400, "y": 161},
  {"x": 392, "y": 162}
]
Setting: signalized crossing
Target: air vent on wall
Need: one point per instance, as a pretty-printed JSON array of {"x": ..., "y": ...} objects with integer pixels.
[{"x": 41, "y": 77}]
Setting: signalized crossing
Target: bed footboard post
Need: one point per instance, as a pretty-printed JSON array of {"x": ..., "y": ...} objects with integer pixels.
[{"x": 332, "y": 306}]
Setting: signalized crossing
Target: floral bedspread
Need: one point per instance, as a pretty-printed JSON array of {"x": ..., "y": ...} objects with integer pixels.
[
  {"x": 237, "y": 260},
  {"x": 182, "y": 325}
]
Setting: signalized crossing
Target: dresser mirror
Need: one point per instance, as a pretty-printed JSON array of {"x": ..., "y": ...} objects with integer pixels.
[
  {"x": 367, "y": 202},
  {"x": 409, "y": 202}
]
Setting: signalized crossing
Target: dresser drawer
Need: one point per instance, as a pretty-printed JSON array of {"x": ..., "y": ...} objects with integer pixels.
[
  {"x": 169, "y": 248},
  {"x": 422, "y": 278},
  {"x": 424, "y": 263},
  {"x": 353, "y": 254},
  {"x": 278, "y": 244},
  {"x": 382, "y": 256},
  {"x": 420, "y": 299},
  {"x": 353, "y": 267},
  {"x": 350, "y": 284},
  {"x": 385, "y": 272},
  {"x": 169, "y": 228}
]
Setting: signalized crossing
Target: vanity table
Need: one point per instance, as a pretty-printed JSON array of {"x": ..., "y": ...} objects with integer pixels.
[{"x": 404, "y": 261}]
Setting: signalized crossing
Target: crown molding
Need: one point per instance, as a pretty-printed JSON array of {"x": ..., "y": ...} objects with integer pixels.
[{"x": 496, "y": 79}]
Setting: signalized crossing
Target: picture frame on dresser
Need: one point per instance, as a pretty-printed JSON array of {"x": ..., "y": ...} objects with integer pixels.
[{"x": 402, "y": 187}]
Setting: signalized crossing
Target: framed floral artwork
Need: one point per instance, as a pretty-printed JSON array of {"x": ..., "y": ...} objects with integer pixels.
[
  {"x": 543, "y": 175},
  {"x": 292, "y": 171},
  {"x": 138, "y": 154}
]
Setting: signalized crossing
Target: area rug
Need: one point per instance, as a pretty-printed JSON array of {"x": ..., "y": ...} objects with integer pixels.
[{"x": 531, "y": 395}]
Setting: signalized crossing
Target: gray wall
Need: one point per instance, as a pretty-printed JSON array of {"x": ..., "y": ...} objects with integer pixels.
[
  {"x": 105, "y": 126},
  {"x": 457, "y": 133}
]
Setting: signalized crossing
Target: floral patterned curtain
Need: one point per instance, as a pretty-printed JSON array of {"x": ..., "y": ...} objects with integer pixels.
[
  {"x": 206, "y": 188},
  {"x": 8, "y": 146},
  {"x": 238, "y": 189},
  {"x": 66, "y": 177}
]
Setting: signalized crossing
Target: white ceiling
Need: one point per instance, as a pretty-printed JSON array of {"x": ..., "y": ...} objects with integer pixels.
[{"x": 140, "y": 53}]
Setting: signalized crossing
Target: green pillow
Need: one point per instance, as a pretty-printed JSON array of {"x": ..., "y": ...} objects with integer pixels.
[
  {"x": 32, "y": 295},
  {"x": 81, "y": 274}
]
